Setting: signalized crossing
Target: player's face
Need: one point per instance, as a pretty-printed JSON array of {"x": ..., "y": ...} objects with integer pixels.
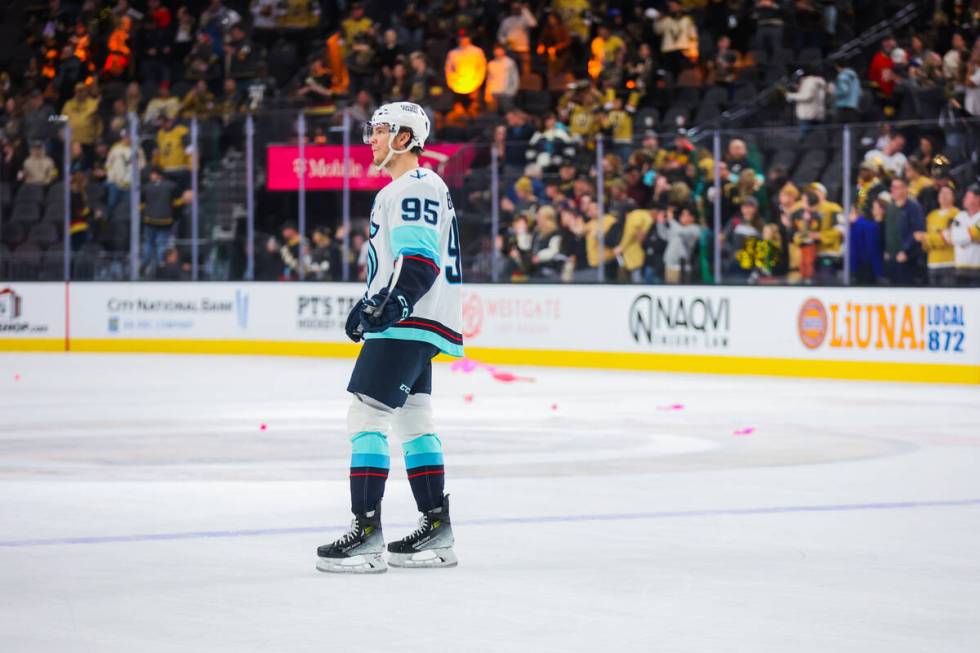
[{"x": 377, "y": 138}]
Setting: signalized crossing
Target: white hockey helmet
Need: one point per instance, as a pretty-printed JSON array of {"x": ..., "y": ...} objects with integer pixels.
[{"x": 397, "y": 115}]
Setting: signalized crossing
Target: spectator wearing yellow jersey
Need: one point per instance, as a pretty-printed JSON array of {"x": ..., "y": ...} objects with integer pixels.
[
  {"x": 935, "y": 240},
  {"x": 575, "y": 15},
  {"x": 298, "y": 14},
  {"x": 356, "y": 23},
  {"x": 608, "y": 54},
  {"x": 577, "y": 108},
  {"x": 619, "y": 124},
  {"x": 173, "y": 152},
  {"x": 466, "y": 68},
  {"x": 82, "y": 111},
  {"x": 630, "y": 250},
  {"x": 918, "y": 178}
]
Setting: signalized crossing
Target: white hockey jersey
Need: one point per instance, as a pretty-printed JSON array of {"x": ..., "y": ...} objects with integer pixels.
[
  {"x": 414, "y": 215},
  {"x": 964, "y": 233}
]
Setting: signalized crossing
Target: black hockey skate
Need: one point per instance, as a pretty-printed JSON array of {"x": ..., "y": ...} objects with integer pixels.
[
  {"x": 429, "y": 545},
  {"x": 358, "y": 551}
]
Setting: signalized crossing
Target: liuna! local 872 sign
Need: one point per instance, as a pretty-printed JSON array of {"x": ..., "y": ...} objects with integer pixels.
[{"x": 886, "y": 325}]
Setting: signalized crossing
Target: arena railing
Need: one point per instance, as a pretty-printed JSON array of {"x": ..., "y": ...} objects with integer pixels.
[{"x": 237, "y": 184}]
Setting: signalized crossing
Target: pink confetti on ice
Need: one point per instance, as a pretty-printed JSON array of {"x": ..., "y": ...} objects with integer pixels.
[
  {"x": 263, "y": 426},
  {"x": 16, "y": 377},
  {"x": 465, "y": 365},
  {"x": 468, "y": 398},
  {"x": 507, "y": 377},
  {"x": 554, "y": 406},
  {"x": 468, "y": 366},
  {"x": 746, "y": 431},
  {"x": 671, "y": 407}
]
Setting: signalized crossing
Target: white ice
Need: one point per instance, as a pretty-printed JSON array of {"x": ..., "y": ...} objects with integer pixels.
[{"x": 143, "y": 508}]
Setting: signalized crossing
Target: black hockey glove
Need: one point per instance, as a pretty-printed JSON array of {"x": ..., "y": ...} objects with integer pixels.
[
  {"x": 396, "y": 309},
  {"x": 353, "y": 321}
]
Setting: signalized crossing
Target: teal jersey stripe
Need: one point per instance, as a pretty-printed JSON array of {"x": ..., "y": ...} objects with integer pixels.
[
  {"x": 370, "y": 460},
  {"x": 415, "y": 239},
  {"x": 422, "y": 460},
  {"x": 408, "y": 333}
]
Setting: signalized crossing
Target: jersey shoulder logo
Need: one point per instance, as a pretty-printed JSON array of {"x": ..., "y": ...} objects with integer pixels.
[{"x": 417, "y": 174}]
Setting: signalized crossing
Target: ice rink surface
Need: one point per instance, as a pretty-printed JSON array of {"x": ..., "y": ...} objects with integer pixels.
[{"x": 144, "y": 508}]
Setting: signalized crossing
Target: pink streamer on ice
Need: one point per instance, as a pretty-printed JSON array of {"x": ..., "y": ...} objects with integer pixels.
[
  {"x": 671, "y": 407},
  {"x": 465, "y": 365},
  {"x": 749, "y": 430},
  {"x": 468, "y": 366},
  {"x": 507, "y": 377}
]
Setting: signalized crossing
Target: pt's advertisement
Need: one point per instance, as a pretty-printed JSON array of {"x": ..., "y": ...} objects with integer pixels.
[{"x": 324, "y": 311}]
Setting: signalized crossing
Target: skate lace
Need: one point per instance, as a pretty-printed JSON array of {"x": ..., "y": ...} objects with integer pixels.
[
  {"x": 423, "y": 526},
  {"x": 351, "y": 535}
]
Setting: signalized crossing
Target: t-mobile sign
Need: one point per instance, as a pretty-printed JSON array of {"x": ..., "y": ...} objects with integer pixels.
[{"x": 324, "y": 167}]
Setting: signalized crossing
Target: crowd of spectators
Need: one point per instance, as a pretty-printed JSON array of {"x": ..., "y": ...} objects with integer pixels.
[
  {"x": 540, "y": 83},
  {"x": 912, "y": 221}
]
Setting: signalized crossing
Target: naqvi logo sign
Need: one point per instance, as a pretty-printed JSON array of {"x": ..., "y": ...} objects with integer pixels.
[
  {"x": 241, "y": 309},
  {"x": 680, "y": 322}
]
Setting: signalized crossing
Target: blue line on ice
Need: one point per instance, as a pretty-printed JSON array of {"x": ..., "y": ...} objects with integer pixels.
[{"x": 493, "y": 521}]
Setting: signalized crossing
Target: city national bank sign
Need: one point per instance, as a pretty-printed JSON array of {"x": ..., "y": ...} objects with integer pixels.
[{"x": 153, "y": 314}]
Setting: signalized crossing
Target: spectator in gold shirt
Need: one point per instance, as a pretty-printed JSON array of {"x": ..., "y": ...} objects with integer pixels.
[
  {"x": 82, "y": 111},
  {"x": 172, "y": 153},
  {"x": 919, "y": 180},
  {"x": 934, "y": 240},
  {"x": 355, "y": 24}
]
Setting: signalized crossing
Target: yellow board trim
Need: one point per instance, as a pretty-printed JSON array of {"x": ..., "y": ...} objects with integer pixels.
[
  {"x": 686, "y": 363},
  {"x": 32, "y": 344},
  {"x": 738, "y": 365},
  {"x": 239, "y": 347}
]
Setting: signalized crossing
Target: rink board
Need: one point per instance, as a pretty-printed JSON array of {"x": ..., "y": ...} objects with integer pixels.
[{"x": 928, "y": 335}]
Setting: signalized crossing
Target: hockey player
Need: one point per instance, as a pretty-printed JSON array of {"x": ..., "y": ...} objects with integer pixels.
[{"x": 404, "y": 326}]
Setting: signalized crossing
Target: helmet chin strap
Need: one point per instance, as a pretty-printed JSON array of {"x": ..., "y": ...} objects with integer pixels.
[{"x": 392, "y": 150}]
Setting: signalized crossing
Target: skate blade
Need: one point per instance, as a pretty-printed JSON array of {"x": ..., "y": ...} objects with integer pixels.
[
  {"x": 363, "y": 564},
  {"x": 424, "y": 559}
]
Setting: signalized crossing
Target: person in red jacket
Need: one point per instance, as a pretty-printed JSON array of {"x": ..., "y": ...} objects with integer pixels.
[{"x": 879, "y": 72}]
